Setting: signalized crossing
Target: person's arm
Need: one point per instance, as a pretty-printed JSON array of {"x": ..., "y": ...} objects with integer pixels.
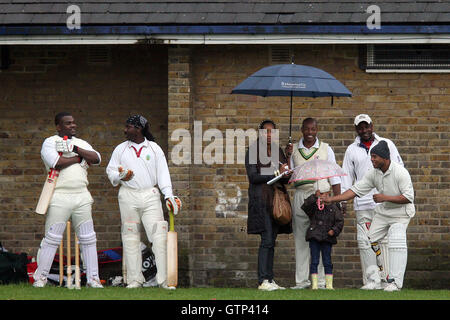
[
  {"x": 336, "y": 189},
  {"x": 347, "y": 195},
  {"x": 112, "y": 170},
  {"x": 338, "y": 223},
  {"x": 87, "y": 153},
  {"x": 335, "y": 182},
  {"x": 64, "y": 162},
  {"x": 92, "y": 157},
  {"x": 349, "y": 168},
  {"x": 401, "y": 199},
  {"x": 162, "y": 172},
  {"x": 308, "y": 205},
  {"x": 252, "y": 172},
  {"x": 395, "y": 155}
]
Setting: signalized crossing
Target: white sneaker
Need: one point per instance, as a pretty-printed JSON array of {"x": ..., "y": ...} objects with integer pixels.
[
  {"x": 372, "y": 285},
  {"x": 301, "y": 286},
  {"x": 40, "y": 283},
  {"x": 134, "y": 285},
  {"x": 267, "y": 286},
  {"x": 150, "y": 283},
  {"x": 94, "y": 283},
  {"x": 391, "y": 287},
  {"x": 165, "y": 286},
  {"x": 277, "y": 286}
]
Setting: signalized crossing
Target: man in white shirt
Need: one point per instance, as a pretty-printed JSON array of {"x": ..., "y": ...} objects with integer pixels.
[
  {"x": 356, "y": 164},
  {"x": 71, "y": 199},
  {"x": 139, "y": 166},
  {"x": 308, "y": 148},
  {"x": 392, "y": 215}
]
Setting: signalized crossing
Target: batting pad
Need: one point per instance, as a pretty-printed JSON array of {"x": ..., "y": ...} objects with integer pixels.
[
  {"x": 398, "y": 253},
  {"x": 88, "y": 244},
  {"x": 366, "y": 253},
  {"x": 48, "y": 248}
]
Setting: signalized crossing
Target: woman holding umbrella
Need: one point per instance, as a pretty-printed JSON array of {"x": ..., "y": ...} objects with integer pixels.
[{"x": 260, "y": 206}]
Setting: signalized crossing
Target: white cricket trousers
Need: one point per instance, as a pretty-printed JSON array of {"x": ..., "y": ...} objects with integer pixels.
[
  {"x": 74, "y": 205},
  {"x": 300, "y": 225},
  {"x": 394, "y": 228},
  {"x": 363, "y": 222},
  {"x": 143, "y": 206}
]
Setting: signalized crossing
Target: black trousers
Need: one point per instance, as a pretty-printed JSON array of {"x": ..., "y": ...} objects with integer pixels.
[{"x": 267, "y": 249}]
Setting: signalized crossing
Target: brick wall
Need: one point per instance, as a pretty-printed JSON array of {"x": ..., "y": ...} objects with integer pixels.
[
  {"x": 44, "y": 80},
  {"x": 178, "y": 86},
  {"x": 411, "y": 109}
]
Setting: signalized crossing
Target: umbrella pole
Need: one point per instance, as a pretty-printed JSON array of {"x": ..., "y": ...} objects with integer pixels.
[{"x": 290, "y": 122}]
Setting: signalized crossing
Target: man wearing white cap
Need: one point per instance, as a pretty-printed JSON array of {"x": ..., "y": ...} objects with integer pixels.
[
  {"x": 356, "y": 164},
  {"x": 139, "y": 166}
]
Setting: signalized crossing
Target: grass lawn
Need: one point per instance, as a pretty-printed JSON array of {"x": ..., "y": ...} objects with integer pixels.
[{"x": 27, "y": 292}]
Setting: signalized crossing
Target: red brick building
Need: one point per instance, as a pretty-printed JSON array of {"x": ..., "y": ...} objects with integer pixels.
[{"x": 176, "y": 63}]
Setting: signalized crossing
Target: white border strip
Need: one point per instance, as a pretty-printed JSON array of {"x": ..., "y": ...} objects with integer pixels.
[{"x": 227, "y": 39}]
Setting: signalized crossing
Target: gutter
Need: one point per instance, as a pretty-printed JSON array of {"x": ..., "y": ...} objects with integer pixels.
[{"x": 223, "y": 34}]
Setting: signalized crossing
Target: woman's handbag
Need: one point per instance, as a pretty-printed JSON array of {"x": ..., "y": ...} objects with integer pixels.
[{"x": 282, "y": 213}]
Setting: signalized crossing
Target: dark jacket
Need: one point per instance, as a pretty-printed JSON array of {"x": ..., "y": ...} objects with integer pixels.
[
  {"x": 321, "y": 221},
  {"x": 259, "y": 204}
]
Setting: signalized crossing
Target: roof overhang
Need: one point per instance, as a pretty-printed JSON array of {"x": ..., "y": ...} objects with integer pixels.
[{"x": 223, "y": 34}]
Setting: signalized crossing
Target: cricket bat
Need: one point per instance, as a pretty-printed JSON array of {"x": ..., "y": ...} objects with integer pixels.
[
  {"x": 172, "y": 253},
  {"x": 47, "y": 190}
]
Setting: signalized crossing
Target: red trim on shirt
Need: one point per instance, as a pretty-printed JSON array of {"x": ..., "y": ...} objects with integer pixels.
[{"x": 138, "y": 153}]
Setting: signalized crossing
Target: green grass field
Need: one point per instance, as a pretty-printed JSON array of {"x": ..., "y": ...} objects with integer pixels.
[{"x": 27, "y": 292}]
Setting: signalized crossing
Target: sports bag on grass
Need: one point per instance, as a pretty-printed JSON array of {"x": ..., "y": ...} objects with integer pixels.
[{"x": 13, "y": 268}]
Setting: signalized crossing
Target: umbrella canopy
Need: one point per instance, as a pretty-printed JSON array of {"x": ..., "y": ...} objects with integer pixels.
[
  {"x": 316, "y": 170},
  {"x": 294, "y": 81}
]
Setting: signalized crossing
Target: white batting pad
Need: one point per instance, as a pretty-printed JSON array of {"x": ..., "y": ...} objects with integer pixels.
[
  {"x": 159, "y": 248},
  {"x": 398, "y": 253},
  {"x": 48, "y": 248},
  {"x": 88, "y": 245},
  {"x": 366, "y": 253},
  {"x": 131, "y": 242}
]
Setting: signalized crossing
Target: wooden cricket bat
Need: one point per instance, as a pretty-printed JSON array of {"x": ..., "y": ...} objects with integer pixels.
[
  {"x": 47, "y": 190},
  {"x": 172, "y": 253}
]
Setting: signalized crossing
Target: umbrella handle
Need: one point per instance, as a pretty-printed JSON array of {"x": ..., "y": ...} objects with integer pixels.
[{"x": 320, "y": 204}]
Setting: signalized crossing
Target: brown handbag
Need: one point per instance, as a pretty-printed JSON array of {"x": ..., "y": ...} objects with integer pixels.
[{"x": 282, "y": 213}]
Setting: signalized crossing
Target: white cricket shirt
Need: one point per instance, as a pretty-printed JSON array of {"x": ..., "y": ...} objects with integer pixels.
[
  {"x": 394, "y": 182},
  {"x": 148, "y": 163},
  {"x": 357, "y": 163},
  {"x": 72, "y": 178}
]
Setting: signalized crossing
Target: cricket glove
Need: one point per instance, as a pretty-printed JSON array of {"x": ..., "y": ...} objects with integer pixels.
[
  {"x": 125, "y": 174},
  {"x": 65, "y": 147},
  {"x": 84, "y": 164},
  {"x": 173, "y": 203}
]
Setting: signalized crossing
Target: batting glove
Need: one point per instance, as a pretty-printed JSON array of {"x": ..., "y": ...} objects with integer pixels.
[
  {"x": 84, "y": 164},
  {"x": 173, "y": 203},
  {"x": 125, "y": 174},
  {"x": 65, "y": 147}
]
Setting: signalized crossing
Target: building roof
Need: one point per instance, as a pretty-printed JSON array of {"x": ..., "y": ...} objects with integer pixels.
[{"x": 223, "y": 12}]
